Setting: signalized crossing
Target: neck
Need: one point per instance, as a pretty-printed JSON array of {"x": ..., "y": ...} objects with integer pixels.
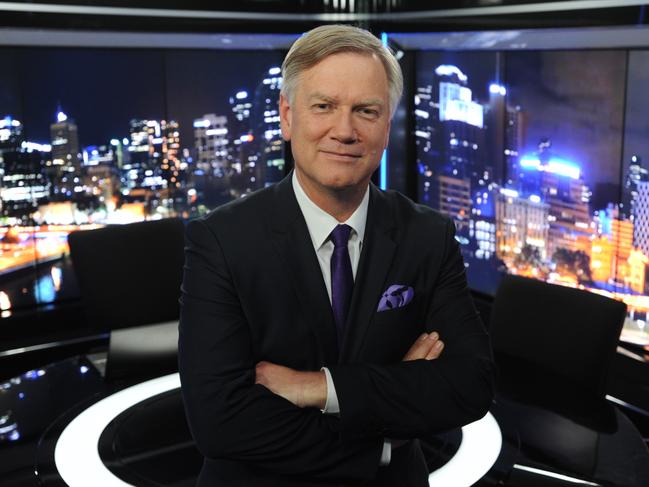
[{"x": 339, "y": 203}]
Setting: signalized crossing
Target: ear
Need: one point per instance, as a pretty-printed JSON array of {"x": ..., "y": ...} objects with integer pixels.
[{"x": 285, "y": 115}]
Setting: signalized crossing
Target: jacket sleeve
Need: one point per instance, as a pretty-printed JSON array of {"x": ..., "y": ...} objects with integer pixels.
[
  {"x": 421, "y": 397},
  {"x": 230, "y": 416}
]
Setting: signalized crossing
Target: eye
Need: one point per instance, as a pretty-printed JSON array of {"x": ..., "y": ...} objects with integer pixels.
[
  {"x": 369, "y": 112},
  {"x": 321, "y": 107}
]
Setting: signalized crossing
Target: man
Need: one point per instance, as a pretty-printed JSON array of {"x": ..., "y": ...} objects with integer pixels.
[{"x": 312, "y": 311}]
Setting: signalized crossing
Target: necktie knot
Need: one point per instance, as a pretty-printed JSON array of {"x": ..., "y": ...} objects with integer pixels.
[{"x": 340, "y": 235}]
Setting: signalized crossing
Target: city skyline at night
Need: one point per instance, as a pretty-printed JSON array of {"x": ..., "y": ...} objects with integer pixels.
[
  {"x": 75, "y": 154},
  {"x": 530, "y": 168}
]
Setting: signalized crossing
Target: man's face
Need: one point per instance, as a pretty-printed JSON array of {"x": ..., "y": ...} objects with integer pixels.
[{"x": 339, "y": 121}]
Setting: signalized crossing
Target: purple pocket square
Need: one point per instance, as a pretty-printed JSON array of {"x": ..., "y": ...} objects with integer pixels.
[{"x": 396, "y": 296}]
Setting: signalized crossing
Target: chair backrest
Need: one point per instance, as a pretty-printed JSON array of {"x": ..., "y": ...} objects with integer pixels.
[
  {"x": 130, "y": 275},
  {"x": 569, "y": 332}
]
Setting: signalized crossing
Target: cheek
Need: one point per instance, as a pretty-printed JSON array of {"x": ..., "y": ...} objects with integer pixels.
[{"x": 309, "y": 135}]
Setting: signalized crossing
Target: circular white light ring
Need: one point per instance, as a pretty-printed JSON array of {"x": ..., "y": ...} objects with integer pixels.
[
  {"x": 480, "y": 447},
  {"x": 76, "y": 454},
  {"x": 77, "y": 459}
]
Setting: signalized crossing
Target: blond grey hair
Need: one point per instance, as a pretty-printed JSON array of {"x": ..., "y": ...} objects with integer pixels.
[{"x": 316, "y": 44}]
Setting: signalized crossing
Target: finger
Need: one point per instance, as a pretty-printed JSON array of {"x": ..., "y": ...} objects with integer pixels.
[
  {"x": 436, "y": 351},
  {"x": 412, "y": 352},
  {"x": 422, "y": 346}
]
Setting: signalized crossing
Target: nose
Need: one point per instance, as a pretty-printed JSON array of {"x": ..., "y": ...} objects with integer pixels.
[{"x": 343, "y": 129}]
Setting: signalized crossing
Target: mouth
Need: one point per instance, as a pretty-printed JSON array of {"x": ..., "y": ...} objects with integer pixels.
[{"x": 342, "y": 155}]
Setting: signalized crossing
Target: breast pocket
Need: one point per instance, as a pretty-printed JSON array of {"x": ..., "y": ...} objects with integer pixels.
[{"x": 393, "y": 331}]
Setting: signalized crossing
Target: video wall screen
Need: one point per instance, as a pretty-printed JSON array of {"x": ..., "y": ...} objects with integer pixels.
[
  {"x": 97, "y": 136},
  {"x": 541, "y": 157}
]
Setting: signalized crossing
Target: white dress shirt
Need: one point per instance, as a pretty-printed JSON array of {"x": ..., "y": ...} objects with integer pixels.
[{"x": 320, "y": 225}]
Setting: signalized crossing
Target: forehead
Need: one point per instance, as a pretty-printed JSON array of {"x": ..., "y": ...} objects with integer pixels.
[{"x": 346, "y": 75}]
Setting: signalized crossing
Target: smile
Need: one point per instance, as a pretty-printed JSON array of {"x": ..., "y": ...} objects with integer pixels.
[{"x": 342, "y": 155}]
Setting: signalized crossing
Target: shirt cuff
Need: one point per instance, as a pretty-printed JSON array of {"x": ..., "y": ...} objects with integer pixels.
[
  {"x": 331, "y": 406},
  {"x": 386, "y": 454}
]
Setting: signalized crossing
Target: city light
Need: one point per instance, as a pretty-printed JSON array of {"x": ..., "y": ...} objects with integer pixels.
[
  {"x": 554, "y": 165},
  {"x": 509, "y": 192},
  {"x": 201, "y": 124},
  {"x": 241, "y": 95},
  {"x": 455, "y": 103},
  {"x": 5, "y": 303},
  {"x": 450, "y": 70},
  {"x": 529, "y": 162},
  {"x": 563, "y": 168},
  {"x": 497, "y": 89},
  {"x": 274, "y": 70},
  {"x": 61, "y": 117},
  {"x": 9, "y": 122},
  {"x": 33, "y": 146}
]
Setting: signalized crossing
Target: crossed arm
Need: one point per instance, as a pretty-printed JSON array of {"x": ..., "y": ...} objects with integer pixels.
[{"x": 309, "y": 389}]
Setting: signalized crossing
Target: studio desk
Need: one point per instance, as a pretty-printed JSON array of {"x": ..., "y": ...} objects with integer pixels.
[{"x": 64, "y": 424}]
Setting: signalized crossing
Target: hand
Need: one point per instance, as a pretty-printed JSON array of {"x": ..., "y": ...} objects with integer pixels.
[
  {"x": 304, "y": 389},
  {"x": 427, "y": 347}
]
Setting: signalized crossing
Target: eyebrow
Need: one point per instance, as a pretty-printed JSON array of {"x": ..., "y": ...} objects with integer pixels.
[{"x": 363, "y": 103}]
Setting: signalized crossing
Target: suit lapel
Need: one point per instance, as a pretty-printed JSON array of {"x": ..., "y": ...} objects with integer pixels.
[
  {"x": 293, "y": 243},
  {"x": 376, "y": 258}
]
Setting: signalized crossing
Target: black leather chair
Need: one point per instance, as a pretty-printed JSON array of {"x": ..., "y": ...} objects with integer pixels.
[
  {"x": 130, "y": 275},
  {"x": 557, "y": 331},
  {"x": 553, "y": 346}
]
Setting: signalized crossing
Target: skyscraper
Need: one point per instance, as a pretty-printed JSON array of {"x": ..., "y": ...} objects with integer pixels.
[
  {"x": 10, "y": 134},
  {"x": 450, "y": 132},
  {"x": 636, "y": 173},
  {"x": 66, "y": 173},
  {"x": 520, "y": 221},
  {"x": 168, "y": 163},
  {"x": 267, "y": 132},
  {"x": 641, "y": 217},
  {"x": 211, "y": 139},
  {"x": 65, "y": 142},
  {"x": 558, "y": 183},
  {"x": 243, "y": 149},
  {"x": 147, "y": 151},
  {"x": 24, "y": 186}
]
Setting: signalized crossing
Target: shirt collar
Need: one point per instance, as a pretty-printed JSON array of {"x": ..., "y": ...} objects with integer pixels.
[{"x": 320, "y": 223}]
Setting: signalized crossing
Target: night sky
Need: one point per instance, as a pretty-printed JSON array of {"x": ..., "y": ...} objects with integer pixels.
[
  {"x": 480, "y": 68},
  {"x": 637, "y": 108},
  {"x": 574, "y": 98},
  {"x": 103, "y": 89}
]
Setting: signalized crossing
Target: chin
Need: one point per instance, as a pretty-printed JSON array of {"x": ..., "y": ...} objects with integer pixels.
[{"x": 340, "y": 182}]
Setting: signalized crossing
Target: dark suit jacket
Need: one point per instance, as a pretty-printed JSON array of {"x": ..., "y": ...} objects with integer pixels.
[{"x": 253, "y": 290}]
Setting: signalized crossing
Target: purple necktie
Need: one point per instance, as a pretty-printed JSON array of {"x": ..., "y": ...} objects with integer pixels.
[{"x": 342, "y": 279}]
